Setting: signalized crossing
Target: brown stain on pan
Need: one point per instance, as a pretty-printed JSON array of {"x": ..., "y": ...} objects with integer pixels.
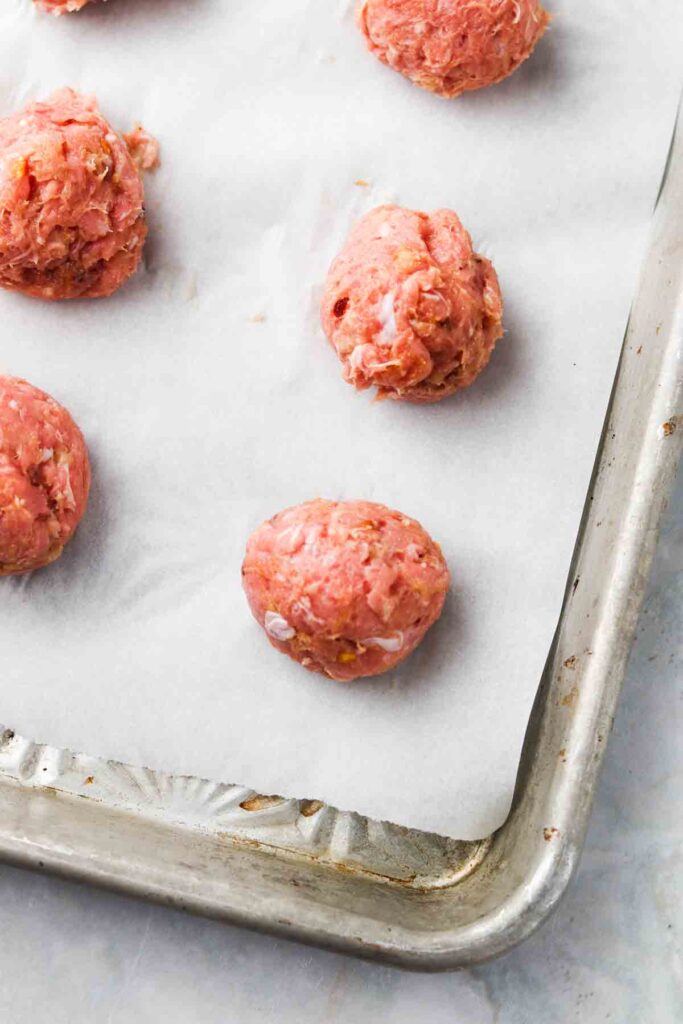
[
  {"x": 571, "y": 699},
  {"x": 261, "y": 803},
  {"x": 475, "y": 863},
  {"x": 310, "y": 807}
]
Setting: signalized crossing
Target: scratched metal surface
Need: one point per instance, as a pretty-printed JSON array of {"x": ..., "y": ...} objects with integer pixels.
[
  {"x": 307, "y": 871},
  {"x": 610, "y": 953}
]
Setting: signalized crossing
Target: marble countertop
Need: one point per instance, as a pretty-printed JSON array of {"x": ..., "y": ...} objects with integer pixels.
[{"x": 612, "y": 952}]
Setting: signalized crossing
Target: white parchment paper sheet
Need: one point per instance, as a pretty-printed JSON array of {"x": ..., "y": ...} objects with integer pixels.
[{"x": 210, "y": 399}]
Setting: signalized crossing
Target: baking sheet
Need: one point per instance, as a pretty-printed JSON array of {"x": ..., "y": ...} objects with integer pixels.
[{"x": 210, "y": 399}]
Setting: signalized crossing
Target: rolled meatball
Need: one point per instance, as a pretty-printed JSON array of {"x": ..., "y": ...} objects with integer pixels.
[
  {"x": 60, "y": 6},
  {"x": 452, "y": 46},
  {"x": 409, "y": 307},
  {"x": 72, "y": 221},
  {"x": 346, "y": 588},
  {"x": 44, "y": 477}
]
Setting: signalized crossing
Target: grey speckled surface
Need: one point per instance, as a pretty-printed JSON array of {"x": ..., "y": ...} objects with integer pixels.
[{"x": 612, "y": 952}]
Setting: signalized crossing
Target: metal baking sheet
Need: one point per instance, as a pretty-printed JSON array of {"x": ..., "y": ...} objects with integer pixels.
[
  {"x": 202, "y": 422},
  {"x": 306, "y": 871}
]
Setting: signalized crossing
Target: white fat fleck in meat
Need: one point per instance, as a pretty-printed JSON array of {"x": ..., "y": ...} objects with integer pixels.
[
  {"x": 490, "y": 299},
  {"x": 390, "y": 644},
  {"x": 377, "y": 367},
  {"x": 361, "y": 361},
  {"x": 303, "y": 607},
  {"x": 46, "y": 454},
  {"x": 67, "y": 491},
  {"x": 387, "y": 317},
  {"x": 291, "y": 538},
  {"x": 12, "y": 404},
  {"x": 356, "y": 358},
  {"x": 278, "y": 627}
]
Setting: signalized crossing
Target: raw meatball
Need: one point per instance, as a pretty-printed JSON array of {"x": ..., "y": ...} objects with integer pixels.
[
  {"x": 72, "y": 222},
  {"x": 44, "y": 477},
  {"x": 451, "y": 46},
  {"x": 60, "y": 6},
  {"x": 345, "y": 588},
  {"x": 410, "y": 308}
]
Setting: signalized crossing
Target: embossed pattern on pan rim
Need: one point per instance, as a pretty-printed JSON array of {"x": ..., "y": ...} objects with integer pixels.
[{"x": 308, "y": 828}]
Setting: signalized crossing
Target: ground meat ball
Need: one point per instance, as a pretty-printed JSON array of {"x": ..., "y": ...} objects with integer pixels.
[
  {"x": 72, "y": 219},
  {"x": 452, "y": 46},
  {"x": 346, "y": 588},
  {"x": 409, "y": 307},
  {"x": 44, "y": 477},
  {"x": 60, "y": 6}
]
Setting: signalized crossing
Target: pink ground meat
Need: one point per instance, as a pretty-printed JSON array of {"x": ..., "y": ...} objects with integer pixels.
[
  {"x": 44, "y": 477},
  {"x": 72, "y": 221},
  {"x": 409, "y": 307},
  {"x": 60, "y": 6},
  {"x": 348, "y": 588},
  {"x": 143, "y": 148},
  {"x": 452, "y": 46}
]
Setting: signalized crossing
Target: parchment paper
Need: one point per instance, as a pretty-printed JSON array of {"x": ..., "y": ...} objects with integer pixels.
[{"x": 210, "y": 399}]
